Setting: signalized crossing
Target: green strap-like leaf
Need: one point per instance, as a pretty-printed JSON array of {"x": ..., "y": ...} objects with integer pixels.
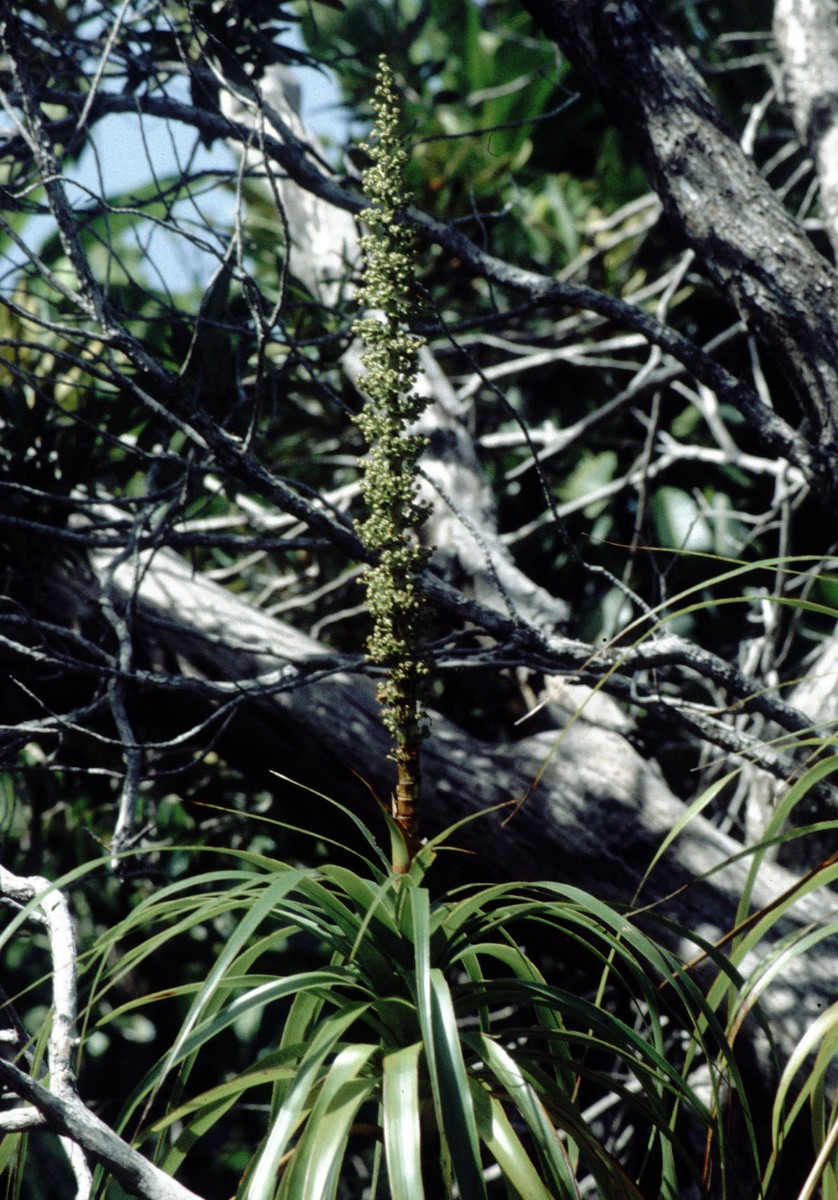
[
  {"x": 458, "y": 1126},
  {"x": 251, "y": 921},
  {"x": 318, "y": 1156},
  {"x": 531, "y": 1110},
  {"x": 300, "y": 1096},
  {"x": 505, "y": 1146},
  {"x": 258, "y": 997},
  {"x": 402, "y": 1132}
]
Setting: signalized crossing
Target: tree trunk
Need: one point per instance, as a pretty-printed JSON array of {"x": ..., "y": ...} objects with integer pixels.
[{"x": 785, "y": 291}]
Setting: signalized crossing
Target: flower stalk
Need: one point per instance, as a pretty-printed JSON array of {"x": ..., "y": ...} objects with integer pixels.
[{"x": 390, "y": 531}]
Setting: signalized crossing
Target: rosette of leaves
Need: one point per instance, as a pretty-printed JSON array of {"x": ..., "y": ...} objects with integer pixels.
[
  {"x": 389, "y": 470},
  {"x": 422, "y": 1041}
]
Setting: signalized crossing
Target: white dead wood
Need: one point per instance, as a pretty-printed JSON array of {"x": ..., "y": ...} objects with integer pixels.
[
  {"x": 54, "y": 1103},
  {"x": 806, "y": 32}
]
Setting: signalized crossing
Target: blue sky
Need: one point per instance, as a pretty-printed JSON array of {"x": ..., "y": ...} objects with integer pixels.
[{"x": 126, "y": 153}]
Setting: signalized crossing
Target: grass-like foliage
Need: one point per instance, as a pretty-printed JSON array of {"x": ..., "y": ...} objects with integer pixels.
[{"x": 423, "y": 1037}]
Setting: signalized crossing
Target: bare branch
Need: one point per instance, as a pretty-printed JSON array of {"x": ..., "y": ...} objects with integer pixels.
[
  {"x": 54, "y": 909},
  {"x": 59, "y": 1106},
  {"x": 67, "y": 1116},
  {"x": 293, "y": 156}
]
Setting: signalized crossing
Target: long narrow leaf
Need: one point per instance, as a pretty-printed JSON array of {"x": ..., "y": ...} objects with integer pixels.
[
  {"x": 315, "y": 1166},
  {"x": 458, "y": 1128},
  {"x": 401, "y": 1120},
  {"x": 266, "y": 993},
  {"x": 251, "y": 921},
  {"x": 262, "y": 1183},
  {"x": 528, "y": 1106},
  {"x": 420, "y": 908},
  {"x": 795, "y": 794}
]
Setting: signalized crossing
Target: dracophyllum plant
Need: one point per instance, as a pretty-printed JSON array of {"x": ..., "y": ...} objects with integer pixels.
[
  {"x": 389, "y": 485},
  {"x": 429, "y": 1039}
]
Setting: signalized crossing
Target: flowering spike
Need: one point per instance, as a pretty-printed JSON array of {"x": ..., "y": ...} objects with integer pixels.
[{"x": 390, "y": 358}]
